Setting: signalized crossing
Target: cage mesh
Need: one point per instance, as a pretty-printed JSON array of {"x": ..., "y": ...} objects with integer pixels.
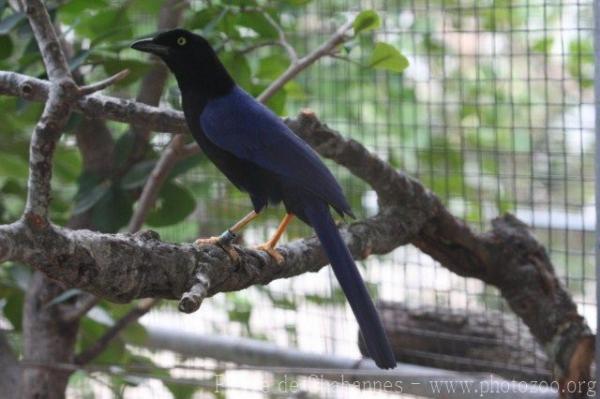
[{"x": 495, "y": 114}]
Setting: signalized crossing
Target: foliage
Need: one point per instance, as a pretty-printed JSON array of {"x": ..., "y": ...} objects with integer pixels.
[
  {"x": 99, "y": 34},
  {"x": 439, "y": 136}
]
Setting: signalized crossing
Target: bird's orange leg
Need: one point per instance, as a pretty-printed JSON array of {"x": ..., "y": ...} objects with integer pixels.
[
  {"x": 225, "y": 239},
  {"x": 269, "y": 246}
]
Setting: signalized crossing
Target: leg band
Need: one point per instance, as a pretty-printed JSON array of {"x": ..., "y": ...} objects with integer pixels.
[{"x": 227, "y": 237}]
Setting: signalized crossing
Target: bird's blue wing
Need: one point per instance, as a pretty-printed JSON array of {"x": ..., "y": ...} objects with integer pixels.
[{"x": 239, "y": 124}]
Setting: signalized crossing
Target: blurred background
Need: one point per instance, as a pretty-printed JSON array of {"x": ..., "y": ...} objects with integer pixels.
[{"x": 494, "y": 113}]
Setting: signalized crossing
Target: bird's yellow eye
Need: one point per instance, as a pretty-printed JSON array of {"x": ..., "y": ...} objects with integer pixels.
[{"x": 181, "y": 41}]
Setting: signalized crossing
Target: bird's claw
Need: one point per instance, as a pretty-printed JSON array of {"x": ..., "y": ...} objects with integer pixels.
[
  {"x": 271, "y": 251},
  {"x": 225, "y": 246}
]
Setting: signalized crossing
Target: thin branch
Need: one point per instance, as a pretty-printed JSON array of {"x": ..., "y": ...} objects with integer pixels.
[
  {"x": 283, "y": 42},
  {"x": 98, "y": 105},
  {"x": 83, "y": 306},
  {"x": 123, "y": 267},
  {"x": 294, "y": 69},
  {"x": 150, "y": 92},
  {"x": 54, "y": 59},
  {"x": 54, "y": 117},
  {"x": 103, "y": 84},
  {"x": 158, "y": 176},
  {"x": 256, "y": 46},
  {"x": 91, "y": 352}
]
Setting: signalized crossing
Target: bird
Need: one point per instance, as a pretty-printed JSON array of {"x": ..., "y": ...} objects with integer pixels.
[{"x": 260, "y": 155}]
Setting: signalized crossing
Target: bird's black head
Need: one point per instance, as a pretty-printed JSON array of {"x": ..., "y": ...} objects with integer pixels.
[{"x": 191, "y": 59}]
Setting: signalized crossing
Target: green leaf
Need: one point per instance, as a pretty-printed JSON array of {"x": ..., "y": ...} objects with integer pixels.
[
  {"x": 113, "y": 211},
  {"x": 106, "y": 20},
  {"x": 240, "y": 309},
  {"x": 272, "y": 66},
  {"x": 90, "y": 332},
  {"x": 387, "y": 57},
  {"x": 366, "y": 21},
  {"x": 6, "y": 47},
  {"x": 259, "y": 24},
  {"x": 137, "y": 69},
  {"x": 181, "y": 391},
  {"x": 67, "y": 163},
  {"x": 135, "y": 333},
  {"x": 88, "y": 198},
  {"x": 238, "y": 66},
  {"x": 186, "y": 164},
  {"x": 13, "y": 309},
  {"x": 75, "y": 8},
  {"x": 63, "y": 297},
  {"x": 174, "y": 204},
  {"x": 151, "y": 7},
  {"x": 137, "y": 175},
  {"x": 543, "y": 45},
  {"x": 13, "y": 166},
  {"x": 123, "y": 148},
  {"x": 277, "y": 102},
  {"x": 101, "y": 316},
  {"x": 8, "y": 23},
  {"x": 79, "y": 59}
]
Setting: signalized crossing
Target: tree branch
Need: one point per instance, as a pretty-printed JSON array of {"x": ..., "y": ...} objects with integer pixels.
[
  {"x": 123, "y": 267},
  {"x": 100, "y": 345},
  {"x": 9, "y": 365},
  {"x": 103, "y": 84},
  {"x": 55, "y": 115},
  {"x": 47, "y": 40},
  {"x": 80, "y": 309},
  {"x": 150, "y": 91},
  {"x": 301, "y": 64},
  {"x": 168, "y": 159},
  {"x": 283, "y": 42},
  {"x": 97, "y": 105}
]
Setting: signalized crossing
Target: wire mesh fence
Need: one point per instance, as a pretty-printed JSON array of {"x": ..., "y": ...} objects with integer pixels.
[{"x": 495, "y": 114}]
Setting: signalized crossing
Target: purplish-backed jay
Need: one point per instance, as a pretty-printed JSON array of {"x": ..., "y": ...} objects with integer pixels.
[{"x": 260, "y": 155}]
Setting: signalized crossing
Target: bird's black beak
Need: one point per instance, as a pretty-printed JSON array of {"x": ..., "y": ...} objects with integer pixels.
[{"x": 148, "y": 46}]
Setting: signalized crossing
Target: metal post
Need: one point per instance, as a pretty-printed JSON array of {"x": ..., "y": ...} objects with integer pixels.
[{"x": 597, "y": 178}]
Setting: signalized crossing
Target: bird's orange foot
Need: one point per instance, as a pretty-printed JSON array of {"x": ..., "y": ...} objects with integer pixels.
[
  {"x": 225, "y": 245},
  {"x": 268, "y": 248}
]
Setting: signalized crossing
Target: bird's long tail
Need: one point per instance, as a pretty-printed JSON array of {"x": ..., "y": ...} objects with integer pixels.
[{"x": 352, "y": 284}]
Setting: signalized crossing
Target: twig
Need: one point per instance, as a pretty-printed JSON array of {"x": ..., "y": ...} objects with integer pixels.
[
  {"x": 295, "y": 68},
  {"x": 150, "y": 92},
  {"x": 409, "y": 213},
  {"x": 54, "y": 117},
  {"x": 83, "y": 306},
  {"x": 47, "y": 40},
  {"x": 91, "y": 352},
  {"x": 283, "y": 42},
  {"x": 103, "y": 84},
  {"x": 158, "y": 176},
  {"x": 256, "y": 46}
]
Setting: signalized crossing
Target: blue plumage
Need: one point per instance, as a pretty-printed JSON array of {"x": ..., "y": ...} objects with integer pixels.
[
  {"x": 237, "y": 123},
  {"x": 260, "y": 155}
]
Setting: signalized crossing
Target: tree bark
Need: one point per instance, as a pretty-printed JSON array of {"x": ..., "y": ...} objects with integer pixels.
[
  {"x": 48, "y": 339},
  {"x": 9, "y": 369},
  {"x": 463, "y": 341}
]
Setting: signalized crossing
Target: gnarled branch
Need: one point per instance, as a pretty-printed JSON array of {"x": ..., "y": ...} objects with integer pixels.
[{"x": 123, "y": 267}]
